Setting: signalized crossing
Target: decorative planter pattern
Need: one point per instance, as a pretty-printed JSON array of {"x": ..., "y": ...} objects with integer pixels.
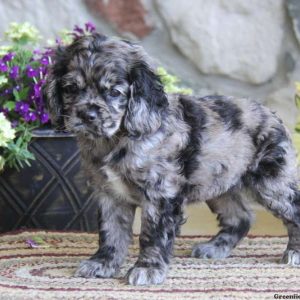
[{"x": 52, "y": 193}]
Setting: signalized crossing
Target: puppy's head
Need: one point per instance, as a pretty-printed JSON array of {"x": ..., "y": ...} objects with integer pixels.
[{"x": 98, "y": 85}]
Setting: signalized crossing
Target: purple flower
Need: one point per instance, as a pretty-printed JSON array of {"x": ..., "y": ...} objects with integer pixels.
[
  {"x": 34, "y": 93},
  {"x": 3, "y": 66},
  {"x": 58, "y": 41},
  {"x": 30, "y": 71},
  {"x": 37, "y": 88},
  {"x": 31, "y": 243},
  {"x": 14, "y": 72},
  {"x": 45, "y": 60},
  {"x": 8, "y": 57},
  {"x": 30, "y": 116},
  {"x": 90, "y": 27},
  {"x": 31, "y": 96},
  {"x": 37, "y": 52},
  {"x": 78, "y": 29},
  {"x": 22, "y": 107},
  {"x": 7, "y": 92},
  {"x": 49, "y": 52},
  {"x": 44, "y": 118},
  {"x": 38, "y": 103}
]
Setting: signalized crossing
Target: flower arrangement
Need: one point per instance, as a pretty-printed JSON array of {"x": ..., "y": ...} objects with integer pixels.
[{"x": 23, "y": 70}]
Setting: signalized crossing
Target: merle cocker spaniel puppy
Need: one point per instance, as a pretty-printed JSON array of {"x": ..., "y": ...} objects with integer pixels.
[{"x": 142, "y": 147}]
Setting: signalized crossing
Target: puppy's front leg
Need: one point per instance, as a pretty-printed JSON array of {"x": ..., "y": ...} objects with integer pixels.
[
  {"x": 156, "y": 243},
  {"x": 115, "y": 233}
]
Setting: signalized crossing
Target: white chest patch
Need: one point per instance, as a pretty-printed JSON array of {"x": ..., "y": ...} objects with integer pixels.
[{"x": 117, "y": 185}]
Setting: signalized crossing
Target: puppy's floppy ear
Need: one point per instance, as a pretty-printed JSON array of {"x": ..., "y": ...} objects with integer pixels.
[
  {"x": 147, "y": 101},
  {"x": 52, "y": 89}
]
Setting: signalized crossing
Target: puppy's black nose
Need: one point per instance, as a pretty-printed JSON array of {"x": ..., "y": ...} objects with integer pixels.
[{"x": 89, "y": 115}]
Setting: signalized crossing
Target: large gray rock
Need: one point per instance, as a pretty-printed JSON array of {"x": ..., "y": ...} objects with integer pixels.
[
  {"x": 240, "y": 39},
  {"x": 293, "y": 8},
  {"x": 50, "y": 17},
  {"x": 283, "y": 103}
]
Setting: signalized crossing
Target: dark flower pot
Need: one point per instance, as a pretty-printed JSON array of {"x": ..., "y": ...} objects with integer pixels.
[{"x": 52, "y": 193}]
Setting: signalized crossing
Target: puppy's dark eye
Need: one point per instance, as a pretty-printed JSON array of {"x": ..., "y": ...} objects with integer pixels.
[
  {"x": 114, "y": 93},
  {"x": 71, "y": 89}
]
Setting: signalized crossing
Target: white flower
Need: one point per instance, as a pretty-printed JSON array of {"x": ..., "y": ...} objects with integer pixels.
[
  {"x": 6, "y": 132},
  {"x": 23, "y": 32},
  {"x": 3, "y": 80},
  {"x": 5, "y": 49}
]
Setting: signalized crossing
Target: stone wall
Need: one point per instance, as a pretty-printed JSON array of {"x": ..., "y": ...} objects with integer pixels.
[{"x": 237, "y": 47}]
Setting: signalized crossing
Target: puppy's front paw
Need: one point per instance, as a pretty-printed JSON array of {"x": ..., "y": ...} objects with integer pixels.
[
  {"x": 145, "y": 276},
  {"x": 210, "y": 250},
  {"x": 95, "y": 269},
  {"x": 291, "y": 257}
]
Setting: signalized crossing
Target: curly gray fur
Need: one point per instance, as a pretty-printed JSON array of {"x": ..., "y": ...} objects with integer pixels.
[{"x": 142, "y": 147}]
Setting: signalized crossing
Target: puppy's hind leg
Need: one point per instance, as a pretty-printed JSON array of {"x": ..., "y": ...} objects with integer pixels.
[
  {"x": 235, "y": 220},
  {"x": 283, "y": 201},
  {"x": 275, "y": 183}
]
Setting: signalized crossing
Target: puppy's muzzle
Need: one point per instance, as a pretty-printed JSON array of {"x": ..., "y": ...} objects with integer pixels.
[{"x": 89, "y": 115}]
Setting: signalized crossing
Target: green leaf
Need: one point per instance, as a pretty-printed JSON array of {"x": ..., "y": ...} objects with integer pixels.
[
  {"x": 10, "y": 105},
  {"x": 20, "y": 163},
  {"x": 23, "y": 93},
  {"x": 297, "y": 127},
  {"x": 170, "y": 83},
  {"x": 16, "y": 94},
  {"x": 19, "y": 141},
  {"x": 296, "y": 141},
  {"x": 39, "y": 240},
  {"x": 27, "y": 162},
  {"x": 297, "y": 101}
]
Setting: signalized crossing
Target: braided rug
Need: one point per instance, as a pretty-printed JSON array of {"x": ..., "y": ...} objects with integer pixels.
[{"x": 46, "y": 272}]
